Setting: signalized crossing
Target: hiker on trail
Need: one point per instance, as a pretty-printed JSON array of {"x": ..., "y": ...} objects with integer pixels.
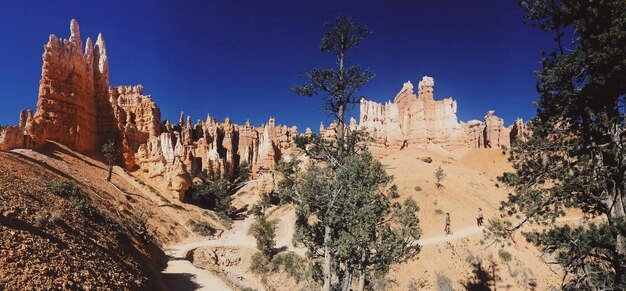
[
  {"x": 447, "y": 229},
  {"x": 479, "y": 219}
]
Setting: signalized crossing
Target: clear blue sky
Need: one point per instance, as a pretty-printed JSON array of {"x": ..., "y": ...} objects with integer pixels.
[{"x": 240, "y": 58}]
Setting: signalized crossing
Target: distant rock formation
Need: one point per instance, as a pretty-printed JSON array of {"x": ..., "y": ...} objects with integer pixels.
[
  {"x": 78, "y": 108},
  {"x": 420, "y": 120}
]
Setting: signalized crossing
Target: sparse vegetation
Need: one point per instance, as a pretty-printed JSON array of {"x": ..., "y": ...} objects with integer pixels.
[
  {"x": 505, "y": 256},
  {"x": 201, "y": 227},
  {"x": 393, "y": 192},
  {"x": 111, "y": 154},
  {"x": 77, "y": 197},
  {"x": 290, "y": 263},
  {"x": 217, "y": 193},
  {"x": 438, "y": 211},
  {"x": 264, "y": 231},
  {"x": 444, "y": 283},
  {"x": 138, "y": 226},
  {"x": 439, "y": 176},
  {"x": 418, "y": 188}
]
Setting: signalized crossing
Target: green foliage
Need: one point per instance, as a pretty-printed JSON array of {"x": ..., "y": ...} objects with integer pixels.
[
  {"x": 216, "y": 194},
  {"x": 505, "y": 256},
  {"x": 338, "y": 87},
  {"x": 291, "y": 263},
  {"x": 201, "y": 227},
  {"x": 575, "y": 158},
  {"x": 367, "y": 233},
  {"x": 259, "y": 263},
  {"x": 75, "y": 195},
  {"x": 137, "y": 224},
  {"x": 439, "y": 175},
  {"x": 393, "y": 191},
  {"x": 264, "y": 231}
]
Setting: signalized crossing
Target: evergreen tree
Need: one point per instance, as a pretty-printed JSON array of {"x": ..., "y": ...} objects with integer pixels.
[
  {"x": 111, "y": 155},
  {"x": 343, "y": 216},
  {"x": 576, "y": 157}
]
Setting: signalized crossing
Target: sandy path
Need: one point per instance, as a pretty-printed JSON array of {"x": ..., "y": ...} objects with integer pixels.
[
  {"x": 181, "y": 274},
  {"x": 456, "y": 234},
  {"x": 178, "y": 266}
]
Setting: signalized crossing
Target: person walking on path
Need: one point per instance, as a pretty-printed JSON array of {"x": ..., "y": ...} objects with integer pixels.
[
  {"x": 447, "y": 229},
  {"x": 479, "y": 219}
]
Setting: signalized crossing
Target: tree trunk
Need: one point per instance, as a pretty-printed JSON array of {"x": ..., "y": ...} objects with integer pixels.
[
  {"x": 347, "y": 281},
  {"x": 619, "y": 214},
  {"x": 341, "y": 106},
  {"x": 110, "y": 172},
  {"x": 362, "y": 270},
  {"x": 362, "y": 280},
  {"x": 327, "y": 258}
]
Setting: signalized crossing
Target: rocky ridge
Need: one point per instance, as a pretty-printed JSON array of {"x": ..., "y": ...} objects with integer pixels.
[{"x": 77, "y": 107}]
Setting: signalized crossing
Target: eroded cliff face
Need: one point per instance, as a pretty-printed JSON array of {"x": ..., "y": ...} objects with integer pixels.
[
  {"x": 78, "y": 108},
  {"x": 419, "y": 120}
]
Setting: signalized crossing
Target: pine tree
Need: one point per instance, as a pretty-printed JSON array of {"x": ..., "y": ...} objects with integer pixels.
[
  {"x": 343, "y": 215},
  {"x": 576, "y": 157}
]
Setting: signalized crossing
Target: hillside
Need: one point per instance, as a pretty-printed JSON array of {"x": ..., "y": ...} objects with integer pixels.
[
  {"x": 458, "y": 261},
  {"x": 47, "y": 242}
]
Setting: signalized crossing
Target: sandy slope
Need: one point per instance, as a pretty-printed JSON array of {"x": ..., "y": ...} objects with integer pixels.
[{"x": 470, "y": 183}]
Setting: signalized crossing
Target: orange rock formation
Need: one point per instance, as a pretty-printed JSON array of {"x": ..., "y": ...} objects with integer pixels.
[{"x": 78, "y": 108}]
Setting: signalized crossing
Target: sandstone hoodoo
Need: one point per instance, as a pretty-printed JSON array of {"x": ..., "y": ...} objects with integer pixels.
[
  {"x": 78, "y": 108},
  {"x": 419, "y": 120}
]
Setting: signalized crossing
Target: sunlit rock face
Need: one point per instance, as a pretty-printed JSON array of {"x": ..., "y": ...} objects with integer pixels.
[
  {"x": 417, "y": 120},
  {"x": 78, "y": 108},
  {"x": 413, "y": 119}
]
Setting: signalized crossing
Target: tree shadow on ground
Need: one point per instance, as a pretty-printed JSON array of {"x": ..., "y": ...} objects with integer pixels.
[
  {"x": 180, "y": 281},
  {"x": 482, "y": 279}
]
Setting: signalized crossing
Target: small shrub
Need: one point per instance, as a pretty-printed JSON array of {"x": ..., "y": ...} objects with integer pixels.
[
  {"x": 290, "y": 263},
  {"x": 56, "y": 215},
  {"x": 439, "y": 176},
  {"x": 438, "y": 211},
  {"x": 201, "y": 227},
  {"x": 418, "y": 188},
  {"x": 264, "y": 231},
  {"x": 259, "y": 263},
  {"x": 505, "y": 256},
  {"x": 393, "y": 191},
  {"x": 137, "y": 226},
  {"x": 77, "y": 197}
]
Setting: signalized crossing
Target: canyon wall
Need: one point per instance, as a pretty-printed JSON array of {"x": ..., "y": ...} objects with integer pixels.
[{"x": 78, "y": 108}]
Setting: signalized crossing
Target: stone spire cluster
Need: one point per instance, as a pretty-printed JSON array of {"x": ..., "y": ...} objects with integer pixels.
[
  {"x": 78, "y": 108},
  {"x": 420, "y": 119}
]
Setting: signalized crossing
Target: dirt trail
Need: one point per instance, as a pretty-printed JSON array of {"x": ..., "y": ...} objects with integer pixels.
[{"x": 179, "y": 265}]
